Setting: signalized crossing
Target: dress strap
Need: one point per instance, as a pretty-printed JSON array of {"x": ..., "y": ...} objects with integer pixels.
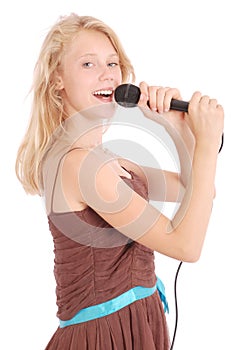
[{"x": 56, "y": 175}]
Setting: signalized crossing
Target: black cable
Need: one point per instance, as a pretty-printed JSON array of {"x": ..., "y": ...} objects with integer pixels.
[
  {"x": 175, "y": 283},
  {"x": 176, "y": 305}
]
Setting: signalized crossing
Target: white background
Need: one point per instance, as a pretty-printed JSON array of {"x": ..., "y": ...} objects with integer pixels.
[{"x": 186, "y": 44}]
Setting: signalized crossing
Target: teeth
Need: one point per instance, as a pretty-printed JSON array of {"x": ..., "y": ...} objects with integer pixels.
[{"x": 103, "y": 92}]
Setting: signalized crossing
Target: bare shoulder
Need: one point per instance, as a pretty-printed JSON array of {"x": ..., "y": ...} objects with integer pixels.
[
  {"x": 74, "y": 157},
  {"x": 71, "y": 166},
  {"x": 87, "y": 173}
]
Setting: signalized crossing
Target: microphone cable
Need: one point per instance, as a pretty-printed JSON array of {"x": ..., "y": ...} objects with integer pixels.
[
  {"x": 176, "y": 276},
  {"x": 176, "y": 305}
]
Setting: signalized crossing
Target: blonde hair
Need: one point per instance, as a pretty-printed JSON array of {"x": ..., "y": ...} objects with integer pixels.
[{"x": 47, "y": 107}]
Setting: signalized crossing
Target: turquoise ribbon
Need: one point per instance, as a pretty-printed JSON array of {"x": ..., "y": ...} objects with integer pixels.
[
  {"x": 115, "y": 304},
  {"x": 162, "y": 294}
]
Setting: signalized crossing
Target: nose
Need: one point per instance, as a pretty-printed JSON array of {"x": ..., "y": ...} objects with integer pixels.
[{"x": 106, "y": 73}]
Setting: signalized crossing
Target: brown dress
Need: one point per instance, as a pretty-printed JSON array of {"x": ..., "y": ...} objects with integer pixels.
[{"x": 88, "y": 273}]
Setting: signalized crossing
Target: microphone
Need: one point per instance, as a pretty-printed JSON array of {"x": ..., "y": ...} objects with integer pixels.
[{"x": 128, "y": 95}]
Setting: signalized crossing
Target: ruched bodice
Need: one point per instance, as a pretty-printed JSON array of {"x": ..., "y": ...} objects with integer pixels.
[{"x": 93, "y": 261}]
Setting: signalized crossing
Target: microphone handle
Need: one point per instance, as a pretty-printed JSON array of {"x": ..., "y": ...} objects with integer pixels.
[{"x": 178, "y": 105}]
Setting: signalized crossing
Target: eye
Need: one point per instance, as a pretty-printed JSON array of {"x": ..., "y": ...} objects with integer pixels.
[
  {"x": 113, "y": 64},
  {"x": 87, "y": 64}
]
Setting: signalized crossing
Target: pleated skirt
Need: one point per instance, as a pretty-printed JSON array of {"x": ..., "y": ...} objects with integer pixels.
[{"x": 138, "y": 326}]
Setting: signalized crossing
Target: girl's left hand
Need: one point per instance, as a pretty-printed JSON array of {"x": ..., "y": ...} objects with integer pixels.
[{"x": 158, "y": 99}]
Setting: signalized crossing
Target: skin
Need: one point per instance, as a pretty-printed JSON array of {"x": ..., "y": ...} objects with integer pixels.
[{"x": 88, "y": 67}]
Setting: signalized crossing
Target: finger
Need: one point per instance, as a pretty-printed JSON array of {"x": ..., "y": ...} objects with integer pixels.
[
  {"x": 153, "y": 100},
  {"x": 205, "y": 99},
  {"x": 144, "y": 94},
  {"x": 213, "y": 102},
  {"x": 220, "y": 107},
  {"x": 170, "y": 94},
  {"x": 195, "y": 99},
  {"x": 160, "y": 99}
]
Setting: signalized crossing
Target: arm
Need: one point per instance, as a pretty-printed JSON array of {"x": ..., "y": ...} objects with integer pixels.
[
  {"x": 162, "y": 185},
  {"x": 182, "y": 237}
]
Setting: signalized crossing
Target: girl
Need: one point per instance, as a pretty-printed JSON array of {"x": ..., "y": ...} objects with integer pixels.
[{"x": 105, "y": 231}]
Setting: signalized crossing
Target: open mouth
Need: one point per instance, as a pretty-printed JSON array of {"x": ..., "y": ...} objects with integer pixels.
[{"x": 105, "y": 95}]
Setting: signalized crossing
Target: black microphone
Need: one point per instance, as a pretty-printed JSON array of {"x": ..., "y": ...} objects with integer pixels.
[{"x": 128, "y": 95}]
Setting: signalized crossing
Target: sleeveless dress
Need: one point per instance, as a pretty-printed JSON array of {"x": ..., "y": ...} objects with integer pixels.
[{"x": 87, "y": 274}]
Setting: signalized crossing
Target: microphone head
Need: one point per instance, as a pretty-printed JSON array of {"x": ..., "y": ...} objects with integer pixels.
[{"x": 127, "y": 95}]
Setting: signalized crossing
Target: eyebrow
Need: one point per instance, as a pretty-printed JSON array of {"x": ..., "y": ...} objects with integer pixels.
[{"x": 94, "y": 54}]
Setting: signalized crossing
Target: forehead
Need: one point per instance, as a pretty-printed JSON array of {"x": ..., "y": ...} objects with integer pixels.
[{"x": 90, "y": 42}]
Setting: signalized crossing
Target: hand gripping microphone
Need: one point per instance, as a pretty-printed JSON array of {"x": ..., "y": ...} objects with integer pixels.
[{"x": 128, "y": 95}]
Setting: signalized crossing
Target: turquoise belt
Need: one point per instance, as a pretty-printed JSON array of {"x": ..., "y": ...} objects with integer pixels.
[{"x": 115, "y": 304}]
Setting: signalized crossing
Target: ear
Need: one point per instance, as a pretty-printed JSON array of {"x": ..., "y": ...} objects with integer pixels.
[{"x": 58, "y": 81}]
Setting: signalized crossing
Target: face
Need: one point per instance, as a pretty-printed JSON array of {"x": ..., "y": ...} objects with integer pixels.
[{"x": 90, "y": 72}]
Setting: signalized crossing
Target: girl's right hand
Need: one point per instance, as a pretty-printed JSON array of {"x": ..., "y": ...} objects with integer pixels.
[{"x": 205, "y": 118}]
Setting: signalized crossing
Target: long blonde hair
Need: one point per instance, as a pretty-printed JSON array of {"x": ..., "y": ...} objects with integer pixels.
[{"x": 47, "y": 107}]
